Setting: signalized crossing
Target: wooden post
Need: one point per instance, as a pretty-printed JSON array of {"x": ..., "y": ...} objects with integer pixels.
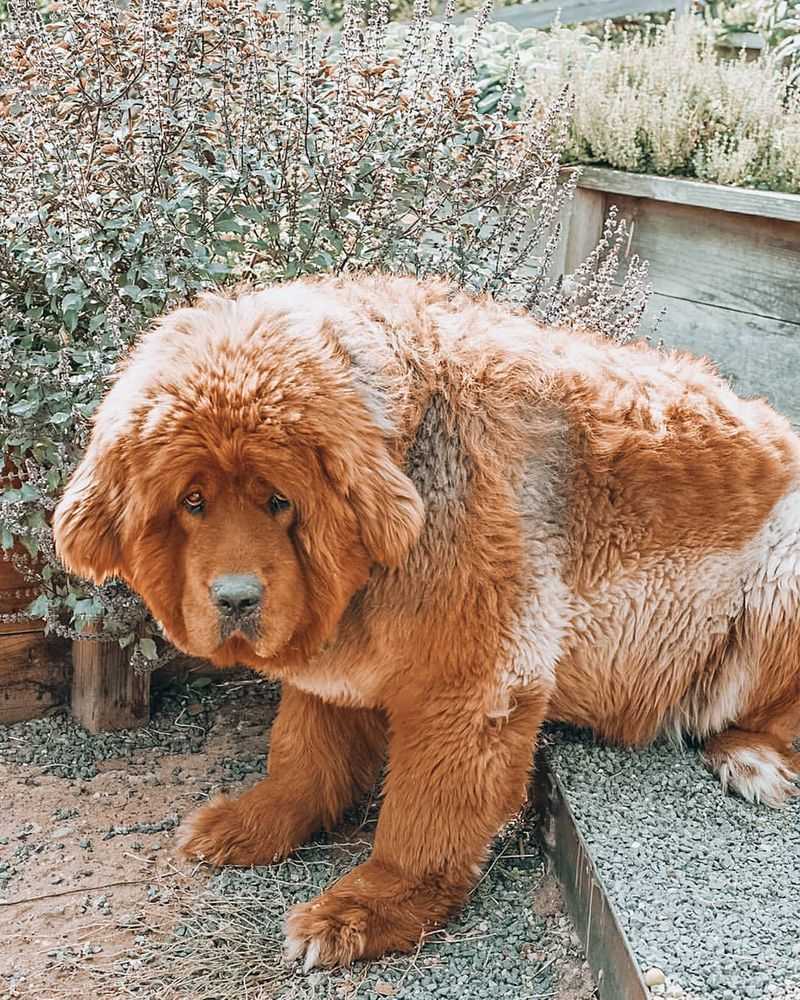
[
  {"x": 107, "y": 693},
  {"x": 586, "y": 220}
]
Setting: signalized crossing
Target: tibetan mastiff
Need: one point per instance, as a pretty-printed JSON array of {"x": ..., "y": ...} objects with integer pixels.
[{"x": 439, "y": 523}]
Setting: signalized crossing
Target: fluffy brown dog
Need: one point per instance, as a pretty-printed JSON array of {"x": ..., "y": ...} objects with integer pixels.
[{"x": 439, "y": 524}]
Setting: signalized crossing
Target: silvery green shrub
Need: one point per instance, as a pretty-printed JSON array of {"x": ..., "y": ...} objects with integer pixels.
[
  {"x": 153, "y": 148},
  {"x": 659, "y": 101}
]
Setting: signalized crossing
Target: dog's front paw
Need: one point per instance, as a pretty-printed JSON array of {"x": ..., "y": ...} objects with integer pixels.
[
  {"x": 226, "y": 832},
  {"x": 366, "y": 914},
  {"x": 328, "y": 931}
]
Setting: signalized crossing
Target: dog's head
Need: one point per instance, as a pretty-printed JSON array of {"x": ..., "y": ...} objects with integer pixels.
[{"x": 237, "y": 480}]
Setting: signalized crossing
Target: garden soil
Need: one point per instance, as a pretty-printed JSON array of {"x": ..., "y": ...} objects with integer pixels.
[{"x": 94, "y": 898}]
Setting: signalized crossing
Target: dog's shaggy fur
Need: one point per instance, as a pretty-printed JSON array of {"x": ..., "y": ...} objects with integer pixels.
[{"x": 463, "y": 524}]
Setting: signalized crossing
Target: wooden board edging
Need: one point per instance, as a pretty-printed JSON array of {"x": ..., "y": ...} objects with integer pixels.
[
  {"x": 542, "y": 14},
  {"x": 680, "y": 190},
  {"x": 596, "y": 921},
  {"x": 741, "y": 40}
]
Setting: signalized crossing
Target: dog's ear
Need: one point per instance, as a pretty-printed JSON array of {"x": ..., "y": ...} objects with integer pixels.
[
  {"x": 87, "y": 524},
  {"x": 388, "y": 508},
  {"x": 389, "y": 511}
]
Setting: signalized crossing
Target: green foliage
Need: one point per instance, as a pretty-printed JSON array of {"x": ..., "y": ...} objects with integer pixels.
[
  {"x": 727, "y": 17},
  {"x": 151, "y": 152},
  {"x": 779, "y": 23}
]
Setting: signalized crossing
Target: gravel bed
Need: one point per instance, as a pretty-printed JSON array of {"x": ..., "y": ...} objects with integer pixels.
[
  {"x": 95, "y": 899},
  {"x": 706, "y": 885},
  {"x": 500, "y": 949},
  {"x": 181, "y": 719}
]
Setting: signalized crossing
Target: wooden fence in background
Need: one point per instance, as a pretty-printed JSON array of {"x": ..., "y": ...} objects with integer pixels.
[{"x": 542, "y": 13}]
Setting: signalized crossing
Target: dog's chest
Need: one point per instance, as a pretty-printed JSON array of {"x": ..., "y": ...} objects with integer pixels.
[{"x": 350, "y": 690}]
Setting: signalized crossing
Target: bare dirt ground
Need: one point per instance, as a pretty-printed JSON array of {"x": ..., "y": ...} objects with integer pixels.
[{"x": 95, "y": 899}]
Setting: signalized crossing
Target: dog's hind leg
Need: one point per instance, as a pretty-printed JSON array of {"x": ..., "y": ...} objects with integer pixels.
[
  {"x": 759, "y": 766},
  {"x": 756, "y": 757}
]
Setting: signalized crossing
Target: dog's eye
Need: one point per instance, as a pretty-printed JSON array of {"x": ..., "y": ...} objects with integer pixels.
[
  {"x": 194, "y": 502},
  {"x": 278, "y": 502}
]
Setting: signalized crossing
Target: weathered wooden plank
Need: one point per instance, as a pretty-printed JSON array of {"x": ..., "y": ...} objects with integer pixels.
[
  {"x": 106, "y": 692},
  {"x": 559, "y": 258},
  {"x": 596, "y": 922},
  {"x": 23, "y": 625},
  {"x": 34, "y": 676},
  {"x": 678, "y": 190},
  {"x": 585, "y": 226},
  {"x": 542, "y": 13},
  {"x": 741, "y": 40},
  {"x": 760, "y": 356},
  {"x": 719, "y": 258}
]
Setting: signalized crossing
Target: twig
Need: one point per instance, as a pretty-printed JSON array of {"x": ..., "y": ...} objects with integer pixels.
[
  {"x": 70, "y": 892},
  {"x": 413, "y": 962},
  {"x": 500, "y": 854},
  {"x": 541, "y": 968}
]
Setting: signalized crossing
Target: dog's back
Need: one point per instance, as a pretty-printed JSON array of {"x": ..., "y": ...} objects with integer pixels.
[{"x": 659, "y": 523}]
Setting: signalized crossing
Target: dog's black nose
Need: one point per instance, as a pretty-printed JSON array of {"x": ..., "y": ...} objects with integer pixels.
[{"x": 236, "y": 595}]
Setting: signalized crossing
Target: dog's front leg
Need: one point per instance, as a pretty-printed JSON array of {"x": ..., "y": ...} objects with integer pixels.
[
  {"x": 321, "y": 758},
  {"x": 455, "y": 776}
]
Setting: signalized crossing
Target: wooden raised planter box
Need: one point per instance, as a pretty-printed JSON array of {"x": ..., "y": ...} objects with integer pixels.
[
  {"x": 39, "y": 673},
  {"x": 33, "y": 674},
  {"x": 724, "y": 266}
]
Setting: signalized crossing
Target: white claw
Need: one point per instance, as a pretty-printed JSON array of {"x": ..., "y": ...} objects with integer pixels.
[
  {"x": 312, "y": 955},
  {"x": 295, "y": 946}
]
